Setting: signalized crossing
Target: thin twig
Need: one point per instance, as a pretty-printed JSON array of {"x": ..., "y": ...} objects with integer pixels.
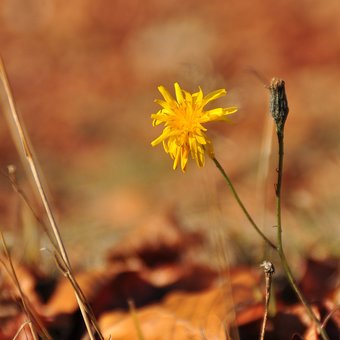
[
  {"x": 59, "y": 261},
  {"x": 240, "y": 203},
  {"x": 21, "y": 328},
  {"x": 65, "y": 271},
  {"x": 269, "y": 270},
  {"x": 329, "y": 315},
  {"x": 136, "y": 322},
  {"x": 11, "y": 176},
  {"x": 25, "y": 303},
  {"x": 14, "y": 118}
]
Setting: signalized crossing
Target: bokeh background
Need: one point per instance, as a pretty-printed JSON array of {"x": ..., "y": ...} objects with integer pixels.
[{"x": 84, "y": 75}]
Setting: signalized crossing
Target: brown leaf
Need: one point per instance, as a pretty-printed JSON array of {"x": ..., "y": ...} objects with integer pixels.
[
  {"x": 159, "y": 240},
  {"x": 27, "y": 281},
  {"x": 13, "y": 315},
  {"x": 184, "y": 315},
  {"x": 111, "y": 287},
  {"x": 319, "y": 278},
  {"x": 63, "y": 300},
  {"x": 294, "y": 320}
]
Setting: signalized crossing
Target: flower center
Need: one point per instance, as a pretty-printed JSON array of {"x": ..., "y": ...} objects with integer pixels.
[{"x": 187, "y": 120}]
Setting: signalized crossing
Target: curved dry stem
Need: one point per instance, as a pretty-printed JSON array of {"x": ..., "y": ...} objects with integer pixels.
[
  {"x": 240, "y": 203},
  {"x": 23, "y": 146}
]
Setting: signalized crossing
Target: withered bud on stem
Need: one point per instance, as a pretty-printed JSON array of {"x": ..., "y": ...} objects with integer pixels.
[
  {"x": 278, "y": 103},
  {"x": 268, "y": 267}
]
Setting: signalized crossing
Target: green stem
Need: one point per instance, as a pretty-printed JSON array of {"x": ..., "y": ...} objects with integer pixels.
[
  {"x": 236, "y": 196},
  {"x": 279, "y": 247},
  {"x": 280, "y": 250}
]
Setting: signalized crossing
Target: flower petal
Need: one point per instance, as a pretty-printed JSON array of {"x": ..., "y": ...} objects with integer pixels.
[
  {"x": 230, "y": 110},
  {"x": 165, "y": 134},
  {"x": 213, "y": 95},
  {"x": 184, "y": 158},
  {"x": 198, "y": 95},
  {"x": 200, "y": 156},
  {"x": 166, "y": 105},
  {"x": 188, "y": 97},
  {"x": 200, "y": 139},
  {"x": 179, "y": 93},
  {"x": 212, "y": 115},
  {"x": 164, "y": 92},
  {"x": 217, "y": 114},
  {"x": 183, "y": 117},
  {"x": 159, "y": 117},
  {"x": 176, "y": 160}
]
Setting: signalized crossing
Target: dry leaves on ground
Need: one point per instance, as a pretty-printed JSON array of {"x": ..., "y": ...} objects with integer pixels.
[{"x": 151, "y": 284}]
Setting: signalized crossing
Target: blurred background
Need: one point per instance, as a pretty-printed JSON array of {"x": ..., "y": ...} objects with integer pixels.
[{"x": 84, "y": 75}]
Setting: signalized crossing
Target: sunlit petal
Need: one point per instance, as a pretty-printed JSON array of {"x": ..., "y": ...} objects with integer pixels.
[
  {"x": 213, "y": 95},
  {"x": 164, "y": 92},
  {"x": 179, "y": 94},
  {"x": 183, "y": 118}
]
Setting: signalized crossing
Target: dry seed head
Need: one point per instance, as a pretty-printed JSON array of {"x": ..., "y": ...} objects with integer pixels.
[
  {"x": 278, "y": 102},
  {"x": 268, "y": 267}
]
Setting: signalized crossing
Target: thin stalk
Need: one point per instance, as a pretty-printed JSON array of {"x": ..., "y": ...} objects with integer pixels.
[
  {"x": 12, "y": 273},
  {"x": 280, "y": 250},
  {"x": 268, "y": 272},
  {"x": 11, "y": 176},
  {"x": 60, "y": 263},
  {"x": 21, "y": 328},
  {"x": 13, "y": 116},
  {"x": 240, "y": 203},
  {"x": 135, "y": 320}
]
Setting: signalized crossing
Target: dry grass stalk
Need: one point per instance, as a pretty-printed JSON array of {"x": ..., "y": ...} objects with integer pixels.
[
  {"x": 34, "y": 323},
  {"x": 136, "y": 322},
  {"x": 23, "y": 146},
  {"x": 269, "y": 270}
]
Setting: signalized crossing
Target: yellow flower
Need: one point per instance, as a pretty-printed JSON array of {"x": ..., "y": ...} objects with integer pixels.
[{"x": 183, "y": 117}]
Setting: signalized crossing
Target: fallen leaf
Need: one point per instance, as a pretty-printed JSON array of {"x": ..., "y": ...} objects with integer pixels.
[
  {"x": 157, "y": 241},
  {"x": 318, "y": 278},
  {"x": 182, "y": 315}
]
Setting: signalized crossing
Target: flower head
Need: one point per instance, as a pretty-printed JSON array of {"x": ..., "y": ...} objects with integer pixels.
[
  {"x": 278, "y": 103},
  {"x": 183, "y": 119}
]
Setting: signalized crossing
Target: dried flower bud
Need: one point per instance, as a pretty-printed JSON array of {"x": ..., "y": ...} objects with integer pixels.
[
  {"x": 268, "y": 267},
  {"x": 278, "y": 102}
]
